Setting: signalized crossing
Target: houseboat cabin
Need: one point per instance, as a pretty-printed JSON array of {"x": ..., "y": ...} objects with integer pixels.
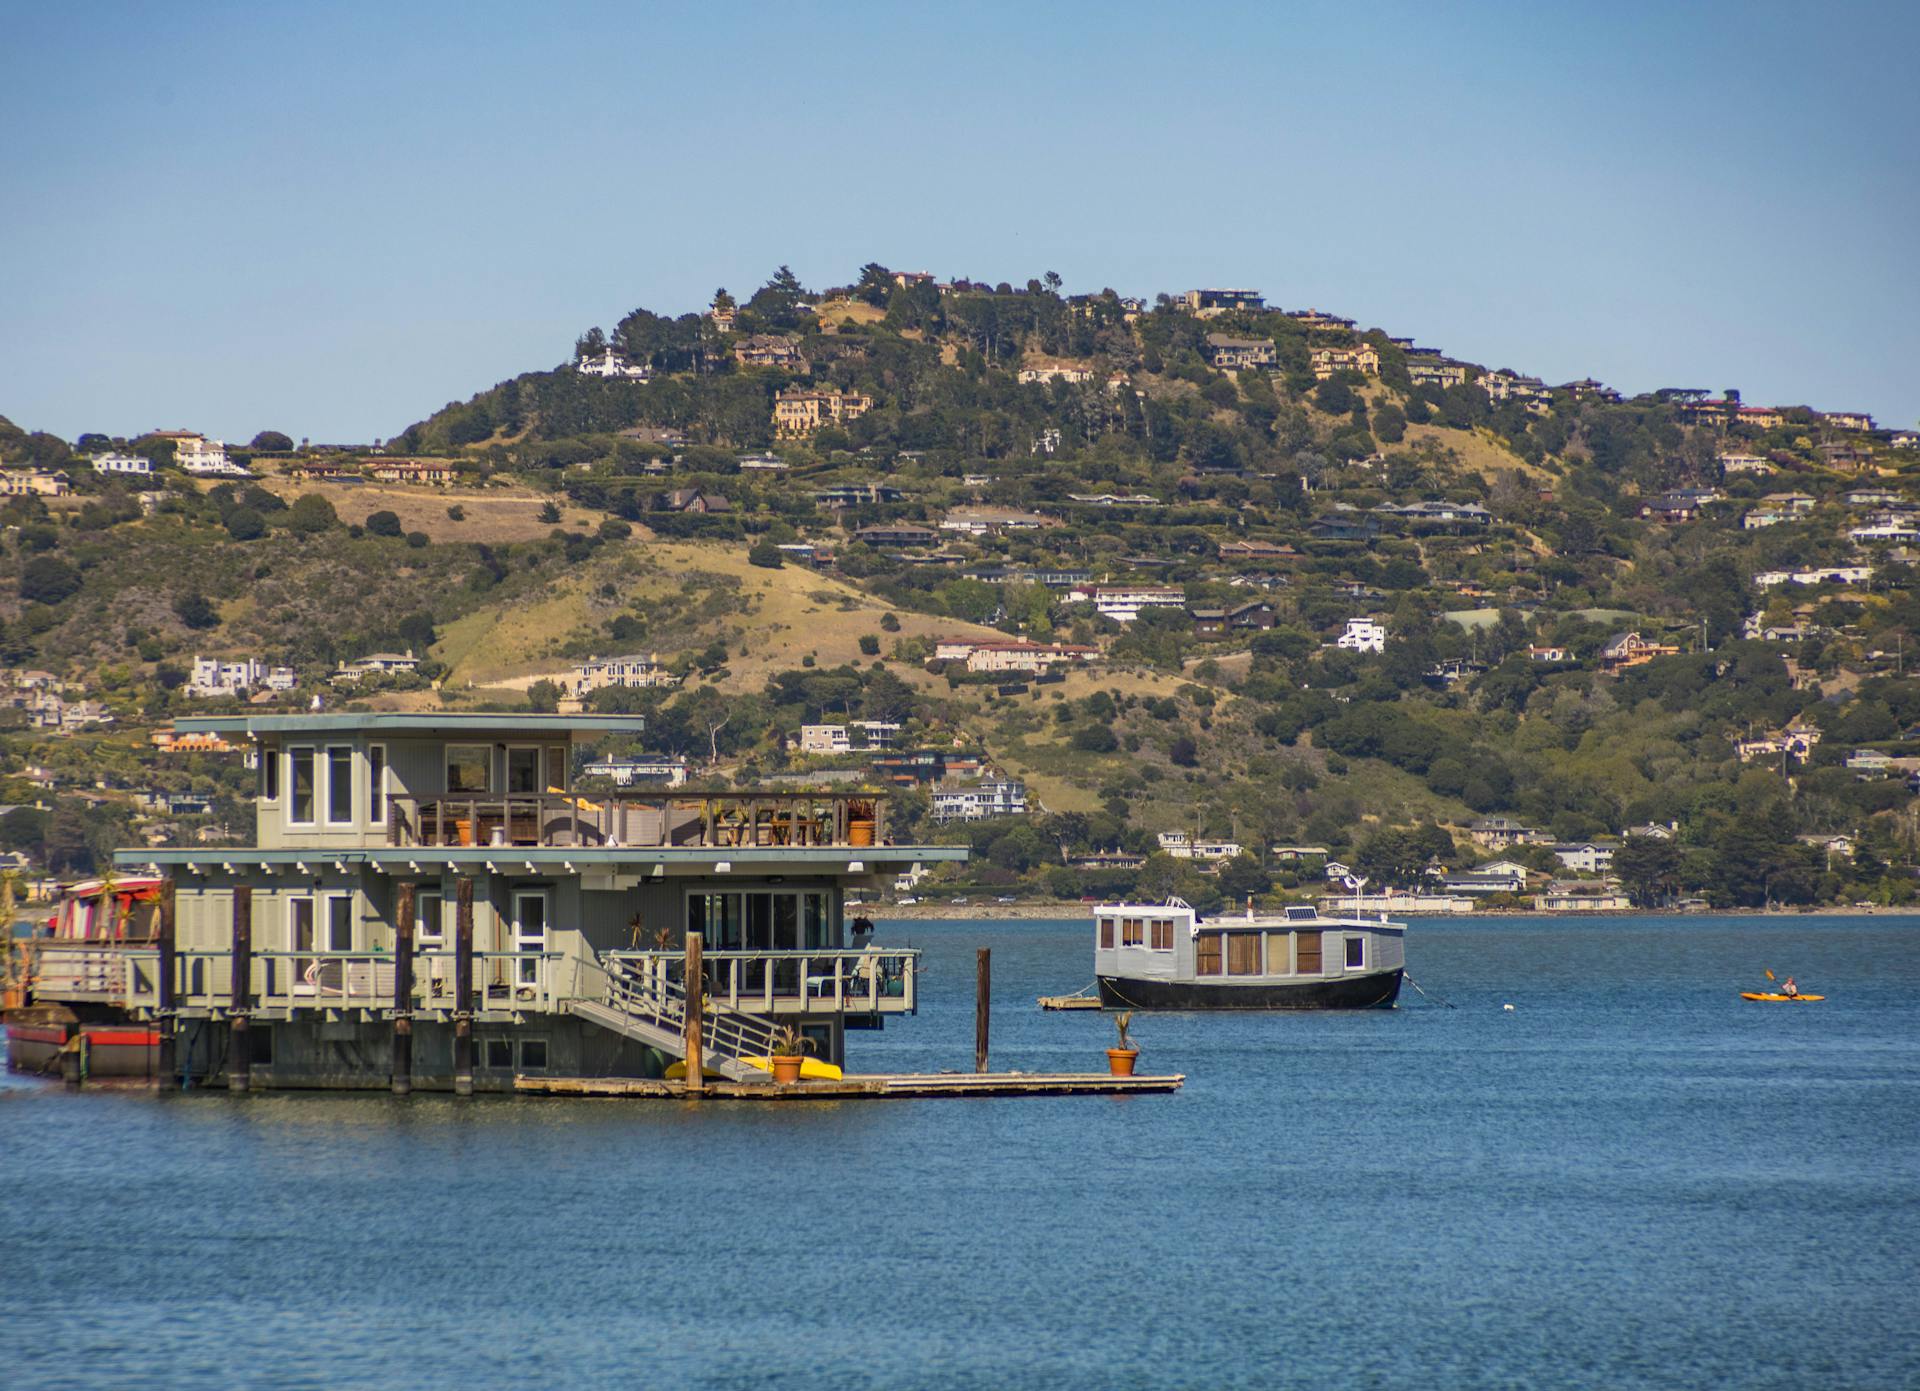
[
  {"x": 438, "y": 871},
  {"x": 1165, "y": 956}
]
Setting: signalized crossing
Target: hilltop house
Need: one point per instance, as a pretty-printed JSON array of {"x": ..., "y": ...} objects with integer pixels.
[
  {"x": 1829, "y": 574},
  {"x": 1208, "y": 304},
  {"x": 34, "y": 483},
  {"x": 200, "y": 456},
  {"x": 1439, "y": 372},
  {"x": 1631, "y": 650},
  {"x": 428, "y": 905},
  {"x": 1046, "y": 373},
  {"x": 1744, "y": 463},
  {"x": 1363, "y": 358},
  {"x": 854, "y": 736},
  {"x": 1236, "y": 353},
  {"x": 981, "y": 521},
  {"x": 657, "y": 770},
  {"x": 1582, "y": 896},
  {"x": 376, "y": 664},
  {"x": 989, "y": 797},
  {"x": 802, "y": 410},
  {"x": 1499, "y": 832},
  {"x": 635, "y": 672},
  {"x": 857, "y": 495},
  {"x": 438, "y": 472},
  {"x": 896, "y": 534},
  {"x": 1586, "y": 856},
  {"x": 1182, "y": 846},
  {"x": 114, "y": 462},
  {"x": 694, "y": 501},
  {"x": 212, "y": 677},
  {"x": 768, "y": 350},
  {"x": 1314, "y": 319},
  {"x": 1363, "y": 635},
  {"x": 1504, "y": 385},
  {"x": 1123, "y": 602},
  {"x": 1254, "y": 615},
  {"x": 1796, "y": 741},
  {"x": 1029, "y": 657},
  {"x": 1256, "y": 550},
  {"x": 612, "y": 364}
]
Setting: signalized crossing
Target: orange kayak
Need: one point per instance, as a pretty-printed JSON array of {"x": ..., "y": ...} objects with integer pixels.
[{"x": 1773, "y": 998}]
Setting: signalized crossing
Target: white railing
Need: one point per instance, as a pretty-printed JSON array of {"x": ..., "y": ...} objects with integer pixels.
[
  {"x": 862, "y": 981},
  {"x": 530, "y": 981}
]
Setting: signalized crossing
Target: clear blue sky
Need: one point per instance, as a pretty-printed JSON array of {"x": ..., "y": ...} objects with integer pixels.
[{"x": 332, "y": 219}]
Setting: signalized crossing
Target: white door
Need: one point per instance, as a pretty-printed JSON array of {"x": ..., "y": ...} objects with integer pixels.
[{"x": 529, "y": 933}]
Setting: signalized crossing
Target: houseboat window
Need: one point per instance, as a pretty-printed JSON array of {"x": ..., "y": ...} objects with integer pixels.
[
  {"x": 340, "y": 785},
  {"x": 377, "y": 785},
  {"x": 340, "y": 922},
  {"x": 429, "y": 928},
  {"x": 300, "y": 778},
  {"x": 500, "y": 1054},
  {"x": 523, "y": 772},
  {"x": 1306, "y": 953},
  {"x": 1279, "y": 953},
  {"x": 1106, "y": 934},
  {"x": 717, "y": 917},
  {"x": 771, "y": 920},
  {"x": 1206, "y": 954},
  {"x": 813, "y": 920},
  {"x": 299, "y": 932},
  {"x": 1133, "y": 932},
  {"x": 467, "y": 767},
  {"x": 557, "y": 769},
  {"x": 1356, "y": 953},
  {"x": 529, "y": 933},
  {"x": 533, "y": 1055},
  {"x": 1162, "y": 939},
  {"x": 1243, "y": 953},
  {"x": 270, "y": 775}
]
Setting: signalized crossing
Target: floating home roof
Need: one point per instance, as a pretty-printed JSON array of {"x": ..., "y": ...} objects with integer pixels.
[{"x": 391, "y": 722}]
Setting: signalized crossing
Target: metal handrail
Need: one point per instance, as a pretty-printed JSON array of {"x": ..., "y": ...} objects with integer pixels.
[
  {"x": 659, "y": 1000},
  {"x": 710, "y": 821},
  {"x": 855, "y": 979}
]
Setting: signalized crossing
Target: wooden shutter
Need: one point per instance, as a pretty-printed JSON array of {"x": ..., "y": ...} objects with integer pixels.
[
  {"x": 1106, "y": 934},
  {"x": 1206, "y": 954},
  {"x": 1279, "y": 953},
  {"x": 1243, "y": 953},
  {"x": 1307, "y": 952}
]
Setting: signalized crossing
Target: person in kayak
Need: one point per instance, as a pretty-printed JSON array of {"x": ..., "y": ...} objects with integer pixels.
[{"x": 1790, "y": 990}]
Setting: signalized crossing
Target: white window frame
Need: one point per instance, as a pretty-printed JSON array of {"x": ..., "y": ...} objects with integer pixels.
[
  {"x": 379, "y": 783},
  {"x": 323, "y": 920},
  {"x": 299, "y": 985},
  {"x": 528, "y": 972},
  {"x": 289, "y": 783},
  {"x": 326, "y": 800},
  {"x": 1346, "y": 953}
]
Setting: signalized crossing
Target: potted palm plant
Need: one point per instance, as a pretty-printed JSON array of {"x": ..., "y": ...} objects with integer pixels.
[
  {"x": 788, "y": 1053},
  {"x": 1120, "y": 1060}
]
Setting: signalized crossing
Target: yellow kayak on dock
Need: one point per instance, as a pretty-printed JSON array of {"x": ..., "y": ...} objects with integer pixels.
[
  {"x": 1774, "y": 998},
  {"x": 809, "y": 1068}
]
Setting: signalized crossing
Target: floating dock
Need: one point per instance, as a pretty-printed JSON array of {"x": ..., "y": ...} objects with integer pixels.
[
  {"x": 1069, "y": 1002},
  {"x": 900, "y": 1085}
]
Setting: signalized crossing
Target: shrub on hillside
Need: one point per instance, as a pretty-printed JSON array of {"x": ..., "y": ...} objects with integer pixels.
[{"x": 383, "y": 523}]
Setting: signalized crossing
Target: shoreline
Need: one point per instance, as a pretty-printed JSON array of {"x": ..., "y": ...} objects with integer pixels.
[{"x": 1033, "y": 911}]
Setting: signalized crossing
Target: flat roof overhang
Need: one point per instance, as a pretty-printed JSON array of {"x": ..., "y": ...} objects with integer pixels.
[
  {"x": 683, "y": 860},
  {"x": 398, "y": 722}
]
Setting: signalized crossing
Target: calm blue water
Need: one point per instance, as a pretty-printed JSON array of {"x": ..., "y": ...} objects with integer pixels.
[{"x": 1632, "y": 1179}]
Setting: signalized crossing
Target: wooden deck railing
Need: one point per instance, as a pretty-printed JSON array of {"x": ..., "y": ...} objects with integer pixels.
[
  {"x": 718, "y": 821},
  {"x": 860, "y": 981}
]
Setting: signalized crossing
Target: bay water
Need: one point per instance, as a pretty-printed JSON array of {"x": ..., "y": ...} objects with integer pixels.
[{"x": 1631, "y": 1178}]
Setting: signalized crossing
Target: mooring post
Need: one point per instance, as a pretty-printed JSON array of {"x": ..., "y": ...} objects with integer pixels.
[
  {"x": 696, "y": 991},
  {"x": 240, "y": 1054},
  {"x": 982, "y": 1000},
  {"x": 403, "y": 989},
  {"x": 463, "y": 987},
  {"x": 167, "y": 1074}
]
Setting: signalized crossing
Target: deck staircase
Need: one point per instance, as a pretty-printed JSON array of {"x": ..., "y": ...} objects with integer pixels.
[{"x": 646, "y": 1006}]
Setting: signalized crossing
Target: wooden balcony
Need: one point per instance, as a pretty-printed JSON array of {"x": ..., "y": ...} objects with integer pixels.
[{"x": 716, "y": 821}]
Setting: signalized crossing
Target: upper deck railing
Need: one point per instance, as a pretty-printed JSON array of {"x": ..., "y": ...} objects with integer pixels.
[{"x": 708, "y": 820}]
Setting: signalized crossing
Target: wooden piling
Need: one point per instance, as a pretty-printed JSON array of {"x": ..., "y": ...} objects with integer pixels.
[
  {"x": 403, "y": 989},
  {"x": 982, "y": 1002},
  {"x": 166, "y": 1072},
  {"x": 463, "y": 987},
  {"x": 240, "y": 1053},
  {"x": 696, "y": 992}
]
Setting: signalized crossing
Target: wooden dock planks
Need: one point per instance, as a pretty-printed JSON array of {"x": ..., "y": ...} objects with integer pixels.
[
  {"x": 879, "y": 1085},
  {"x": 1069, "y": 1002}
]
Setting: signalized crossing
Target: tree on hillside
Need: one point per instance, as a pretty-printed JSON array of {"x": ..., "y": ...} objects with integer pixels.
[
  {"x": 766, "y": 555},
  {"x": 875, "y": 284},
  {"x": 384, "y": 523},
  {"x": 776, "y": 304},
  {"x": 196, "y": 611},
  {"x": 271, "y": 442},
  {"x": 1646, "y": 865},
  {"x": 47, "y": 579},
  {"x": 312, "y": 514}
]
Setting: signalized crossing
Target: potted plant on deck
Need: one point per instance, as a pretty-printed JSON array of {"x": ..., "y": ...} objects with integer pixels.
[
  {"x": 788, "y": 1053},
  {"x": 1120, "y": 1060}
]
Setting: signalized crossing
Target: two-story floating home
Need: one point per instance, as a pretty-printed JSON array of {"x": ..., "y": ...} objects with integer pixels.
[{"x": 429, "y": 902}]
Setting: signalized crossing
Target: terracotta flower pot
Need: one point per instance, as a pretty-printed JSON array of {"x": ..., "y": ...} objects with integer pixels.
[
  {"x": 786, "y": 1070},
  {"x": 1120, "y": 1061}
]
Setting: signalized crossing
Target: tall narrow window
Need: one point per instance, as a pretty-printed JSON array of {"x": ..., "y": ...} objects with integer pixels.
[
  {"x": 1106, "y": 934},
  {"x": 1356, "y": 953},
  {"x": 377, "y": 785},
  {"x": 340, "y": 785},
  {"x": 270, "y": 775},
  {"x": 429, "y": 930},
  {"x": 523, "y": 772},
  {"x": 1243, "y": 953},
  {"x": 1132, "y": 932},
  {"x": 300, "y": 779},
  {"x": 340, "y": 922},
  {"x": 557, "y": 769},
  {"x": 1206, "y": 954},
  {"x": 1279, "y": 953},
  {"x": 1162, "y": 934}
]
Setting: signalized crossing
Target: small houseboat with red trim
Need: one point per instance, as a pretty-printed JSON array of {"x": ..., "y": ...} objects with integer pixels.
[{"x": 67, "y": 990}]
